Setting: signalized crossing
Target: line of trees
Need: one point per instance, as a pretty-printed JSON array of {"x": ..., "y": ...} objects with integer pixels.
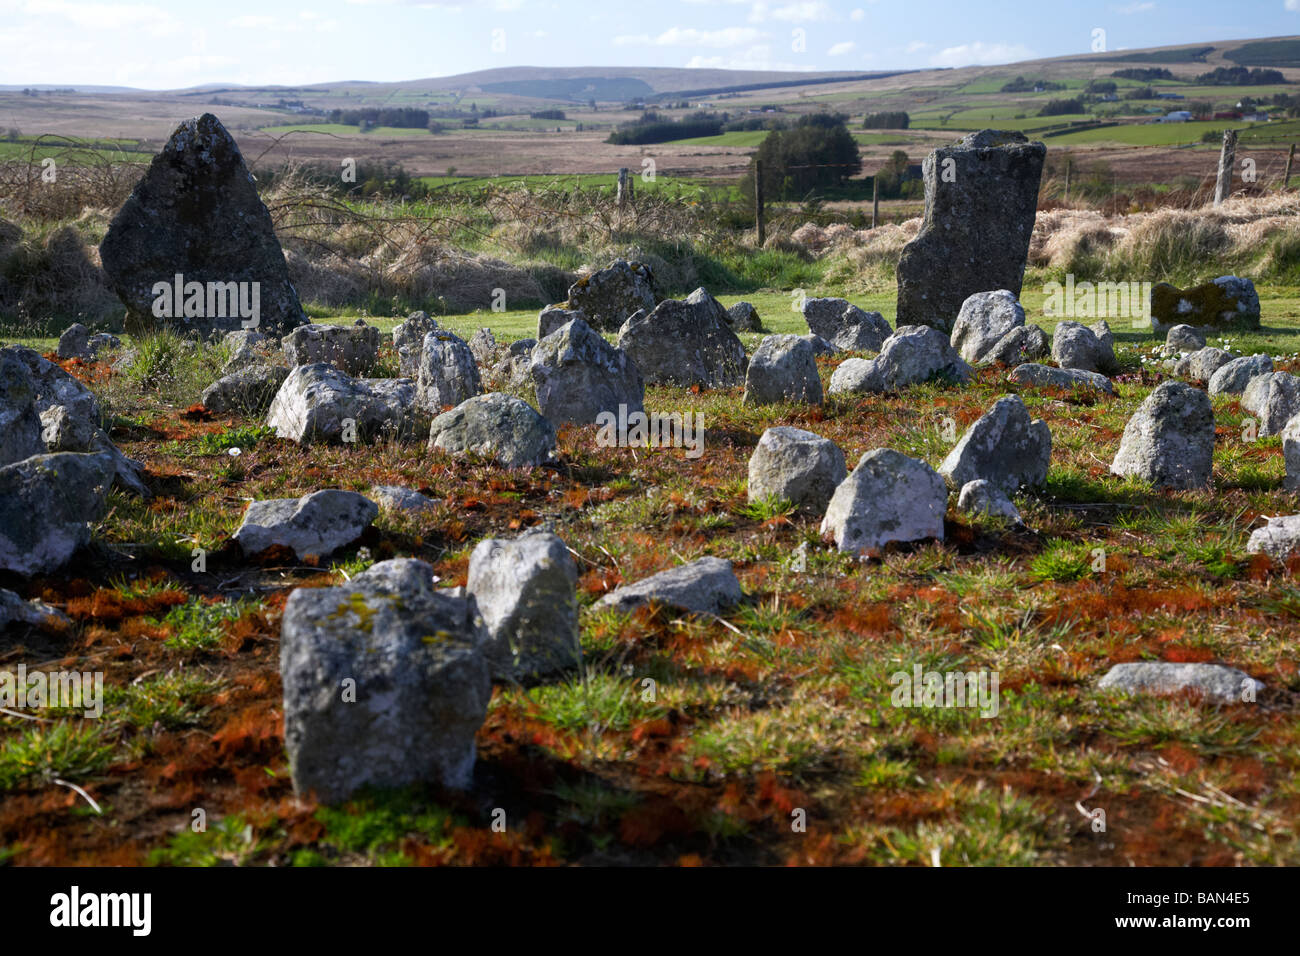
[
  {"x": 1143, "y": 74},
  {"x": 654, "y": 127},
  {"x": 1240, "y": 76},
  {"x": 886, "y": 120},
  {"x": 402, "y": 117}
]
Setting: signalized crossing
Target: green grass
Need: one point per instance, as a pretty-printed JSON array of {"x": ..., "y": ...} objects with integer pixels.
[{"x": 65, "y": 749}]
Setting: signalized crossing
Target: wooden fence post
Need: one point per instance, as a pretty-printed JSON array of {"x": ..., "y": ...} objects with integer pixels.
[
  {"x": 875, "y": 200},
  {"x": 1286, "y": 177}
]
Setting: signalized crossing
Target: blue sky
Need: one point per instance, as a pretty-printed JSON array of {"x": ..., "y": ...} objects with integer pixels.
[{"x": 167, "y": 45}]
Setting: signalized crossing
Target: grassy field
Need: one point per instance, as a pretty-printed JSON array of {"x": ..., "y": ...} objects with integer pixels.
[
  {"x": 338, "y": 129},
  {"x": 783, "y": 704}
]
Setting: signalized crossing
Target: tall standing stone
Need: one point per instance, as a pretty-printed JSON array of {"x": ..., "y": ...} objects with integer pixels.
[
  {"x": 196, "y": 214},
  {"x": 981, "y": 195}
]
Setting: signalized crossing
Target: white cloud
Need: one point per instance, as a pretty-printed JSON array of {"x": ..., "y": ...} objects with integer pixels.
[
  {"x": 858, "y": 14},
  {"x": 840, "y": 49},
  {"x": 801, "y": 12},
  {"x": 916, "y": 46},
  {"x": 1293, "y": 5},
  {"x": 1130, "y": 8},
  {"x": 757, "y": 57},
  {"x": 689, "y": 36},
  {"x": 981, "y": 54}
]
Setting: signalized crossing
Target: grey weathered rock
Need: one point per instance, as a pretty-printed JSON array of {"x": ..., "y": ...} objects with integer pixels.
[
  {"x": 246, "y": 347},
  {"x": 1291, "y": 453},
  {"x": 743, "y": 317},
  {"x": 980, "y": 200},
  {"x": 69, "y": 417},
  {"x": 1169, "y": 441},
  {"x": 798, "y": 466},
  {"x": 196, "y": 214},
  {"x": 1028, "y": 343},
  {"x": 607, "y": 297},
  {"x": 578, "y": 375},
  {"x": 1185, "y": 338},
  {"x": 783, "y": 369},
  {"x": 526, "y": 589},
  {"x": 1004, "y": 446},
  {"x": 320, "y": 403},
  {"x": 983, "y": 497},
  {"x": 448, "y": 372},
  {"x": 500, "y": 426},
  {"x": 46, "y": 502},
  {"x": 1201, "y": 365},
  {"x": 819, "y": 345},
  {"x": 317, "y": 524},
  {"x": 1274, "y": 398},
  {"x": 14, "y": 610},
  {"x": 483, "y": 346},
  {"x": 1279, "y": 539},
  {"x": 703, "y": 586},
  {"x": 912, "y": 355},
  {"x": 887, "y": 497},
  {"x": 74, "y": 342},
  {"x": 1078, "y": 346},
  {"x": 1228, "y": 302},
  {"x": 408, "y": 341},
  {"x": 984, "y": 320},
  {"x": 1214, "y": 682},
  {"x": 353, "y": 349},
  {"x": 397, "y": 498},
  {"x": 1044, "y": 376},
  {"x": 385, "y": 683},
  {"x": 249, "y": 391},
  {"x": 101, "y": 342},
  {"x": 845, "y": 326},
  {"x": 685, "y": 343},
  {"x": 20, "y": 425},
  {"x": 1233, "y": 377},
  {"x": 555, "y": 316}
]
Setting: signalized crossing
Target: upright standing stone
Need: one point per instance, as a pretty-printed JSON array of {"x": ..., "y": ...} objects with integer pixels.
[
  {"x": 685, "y": 343},
  {"x": 1169, "y": 441},
  {"x": 981, "y": 195},
  {"x": 1004, "y": 446},
  {"x": 887, "y": 497},
  {"x": 578, "y": 375},
  {"x": 196, "y": 214},
  {"x": 385, "y": 682}
]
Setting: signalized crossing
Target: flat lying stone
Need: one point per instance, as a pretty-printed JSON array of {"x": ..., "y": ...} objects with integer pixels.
[
  {"x": 1217, "y": 683},
  {"x": 705, "y": 586},
  {"x": 314, "y": 525}
]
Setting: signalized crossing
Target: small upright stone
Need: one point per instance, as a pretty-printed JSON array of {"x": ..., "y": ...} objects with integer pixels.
[
  {"x": 1232, "y": 378},
  {"x": 408, "y": 341},
  {"x": 353, "y": 349},
  {"x": 606, "y": 298},
  {"x": 982, "y": 497},
  {"x": 1203, "y": 364},
  {"x": 578, "y": 375},
  {"x": 845, "y": 326},
  {"x": 794, "y": 465},
  {"x": 499, "y": 426},
  {"x": 783, "y": 369},
  {"x": 448, "y": 372},
  {"x": 887, "y": 497},
  {"x": 910, "y": 356},
  {"x": 744, "y": 318},
  {"x": 1274, "y": 398},
  {"x": 555, "y": 316},
  {"x": 526, "y": 589},
  {"x": 1169, "y": 441},
  {"x": 984, "y": 320},
  {"x": 1004, "y": 446},
  {"x": 74, "y": 342},
  {"x": 1185, "y": 338},
  {"x": 1080, "y": 347},
  {"x": 385, "y": 682},
  {"x": 685, "y": 343}
]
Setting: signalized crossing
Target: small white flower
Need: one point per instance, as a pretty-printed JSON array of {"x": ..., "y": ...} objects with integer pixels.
[{"x": 234, "y": 453}]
